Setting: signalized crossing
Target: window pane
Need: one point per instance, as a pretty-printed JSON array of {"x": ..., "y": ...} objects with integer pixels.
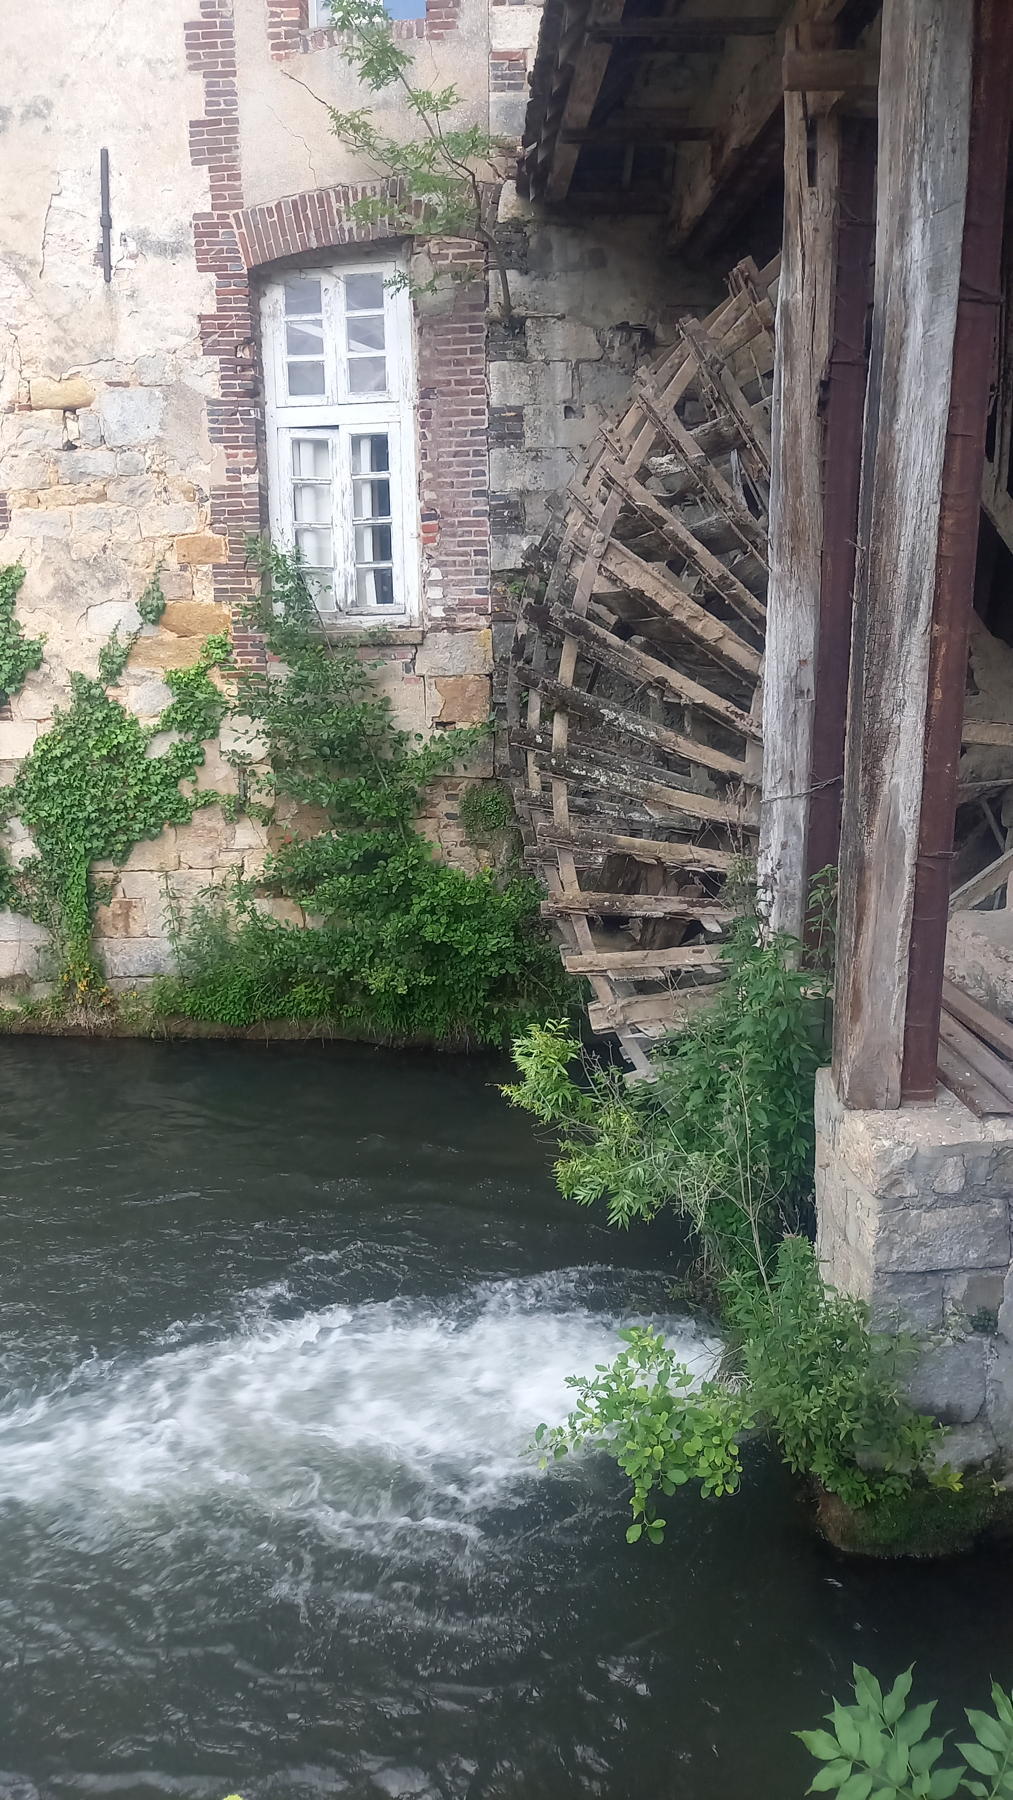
[
  {"x": 302, "y": 296},
  {"x": 311, "y": 457},
  {"x": 371, "y": 499},
  {"x": 367, "y": 375},
  {"x": 313, "y": 501},
  {"x": 365, "y": 332},
  {"x": 373, "y": 587},
  {"x": 373, "y": 543},
  {"x": 314, "y": 547},
  {"x": 305, "y": 339},
  {"x": 405, "y": 9},
  {"x": 363, "y": 293},
  {"x": 370, "y": 453},
  {"x": 306, "y": 378}
]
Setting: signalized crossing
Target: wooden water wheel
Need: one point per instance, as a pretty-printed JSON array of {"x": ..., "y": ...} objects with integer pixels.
[{"x": 633, "y": 700}]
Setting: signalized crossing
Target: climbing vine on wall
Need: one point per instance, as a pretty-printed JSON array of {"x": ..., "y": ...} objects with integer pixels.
[
  {"x": 90, "y": 789},
  {"x": 18, "y": 654}
]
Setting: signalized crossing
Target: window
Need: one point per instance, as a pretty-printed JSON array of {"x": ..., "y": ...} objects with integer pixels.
[
  {"x": 340, "y": 426},
  {"x": 320, "y": 11}
]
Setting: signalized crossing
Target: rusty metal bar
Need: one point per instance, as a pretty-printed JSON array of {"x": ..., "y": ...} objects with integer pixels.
[
  {"x": 842, "y": 468},
  {"x": 977, "y": 314}
]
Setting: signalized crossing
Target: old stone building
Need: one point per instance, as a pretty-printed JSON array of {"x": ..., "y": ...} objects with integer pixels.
[{"x": 200, "y": 343}]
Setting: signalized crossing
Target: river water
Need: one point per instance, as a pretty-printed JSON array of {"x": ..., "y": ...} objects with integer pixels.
[{"x": 277, "y": 1326}]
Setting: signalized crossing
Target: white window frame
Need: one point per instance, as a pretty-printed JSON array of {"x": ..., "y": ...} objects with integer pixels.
[
  {"x": 337, "y": 416},
  {"x": 320, "y": 15}
]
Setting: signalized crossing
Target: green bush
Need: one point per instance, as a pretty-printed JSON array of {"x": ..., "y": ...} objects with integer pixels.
[{"x": 880, "y": 1746}]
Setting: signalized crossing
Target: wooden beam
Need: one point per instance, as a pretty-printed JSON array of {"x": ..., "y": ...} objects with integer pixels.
[
  {"x": 615, "y": 775},
  {"x": 983, "y": 885},
  {"x": 657, "y": 583},
  {"x": 977, "y": 1094},
  {"x": 639, "y": 906},
  {"x": 813, "y": 71},
  {"x": 669, "y": 525},
  {"x": 995, "y": 1031},
  {"x": 977, "y": 1055},
  {"x": 690, "y": 34},
  {"x": 582, "y": 94},
  {"x": 625, "y": 723},
  {"x": 804, "y": 315},
  {"x": 696, "y": 858},
  {"x": 643, "y": 962},
  {"x": 925, "y": 98},
  {"x": 641, "y": 128}
]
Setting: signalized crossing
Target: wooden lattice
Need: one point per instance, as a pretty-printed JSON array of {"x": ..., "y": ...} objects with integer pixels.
[{"x": 633, "y": 699}]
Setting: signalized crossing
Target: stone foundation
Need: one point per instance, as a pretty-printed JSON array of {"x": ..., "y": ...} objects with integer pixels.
[{"x": 914, "y": 1217}]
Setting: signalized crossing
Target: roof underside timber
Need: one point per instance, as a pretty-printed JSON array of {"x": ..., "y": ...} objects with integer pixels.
[{"x": 666, "y": 106}]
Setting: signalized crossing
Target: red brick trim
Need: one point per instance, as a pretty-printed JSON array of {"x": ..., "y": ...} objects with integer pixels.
[
  {"x": 289, "y": 34},
  {"x": 508, "y": 71}
]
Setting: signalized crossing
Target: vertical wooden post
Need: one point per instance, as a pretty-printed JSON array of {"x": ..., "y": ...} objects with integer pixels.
[
  {"x": 804, "y": 308},
  {"x": 924, "y": 130},
  {"x": 960, "y": 502}
]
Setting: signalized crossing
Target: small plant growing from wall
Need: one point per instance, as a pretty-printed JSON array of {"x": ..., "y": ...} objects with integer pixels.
[
  {"x": 18, "y": 654},
  {"x": 445, "y": 182}
]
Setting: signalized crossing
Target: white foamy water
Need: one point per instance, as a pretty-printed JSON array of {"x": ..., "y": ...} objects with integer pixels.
[{"x": 405, "y": 1411}]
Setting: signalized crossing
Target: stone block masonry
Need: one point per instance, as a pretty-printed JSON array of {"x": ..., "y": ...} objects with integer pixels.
[{"x": 914, "y": 1216}]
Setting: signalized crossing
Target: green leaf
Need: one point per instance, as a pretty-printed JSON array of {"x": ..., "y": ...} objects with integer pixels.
[
  {"x": 634, "y": 1533},
  {"x": 922, "y": 1756},
  {"x": 820, "y": 1744},
  {"x": 847, "y": 1729},
  {"x": 830, "y": 1776},
  {"x": 944, "y": 1783},
  {"x": 894, "y": 1702},
  {"x": 988, "y": 1731},
  {"x": 985, "y": 1761},
  {"x": 916, "y": 1723},
  {"x": 858, "y": 1786}
]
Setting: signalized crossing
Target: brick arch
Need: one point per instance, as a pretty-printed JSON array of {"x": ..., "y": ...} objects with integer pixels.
[{"x": 318, "y": 219}]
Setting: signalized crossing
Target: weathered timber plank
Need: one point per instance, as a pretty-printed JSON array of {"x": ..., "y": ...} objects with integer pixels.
[
  {"x": 804, "y": 313},
  {"x": 636, "y": 665},
  {"x": 636, "y": 725},
  {"x": 809, "y": 71},
  {"x": 987, "y": 731},
  {"x": 976, "y": 1054},
  {"x": 642, "y": 963},
  {"x": 982, "y": 885},
  {"x": 585, "y": 86},
  {"x": 639, "y": 906},
  {"x": 694, "y": 858},
  {"x": 925, "y": 85},
  {"x": 670, "y": 526},
  {"x": 612, "y": 774},
  {"x": 657, "y": 583},
  {"x": 751, "y": 532},
  {"x": 985, "y": 1024},
  {"x": 716, "y": 376},
  {"x": 978, "y": 1095}
]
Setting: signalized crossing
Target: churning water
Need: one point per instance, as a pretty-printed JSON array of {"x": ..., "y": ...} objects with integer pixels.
[{"x": 277, "y": 1329}]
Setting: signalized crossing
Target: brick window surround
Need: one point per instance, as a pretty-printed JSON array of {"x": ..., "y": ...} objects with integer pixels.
[{"x": 289, "y": 33}]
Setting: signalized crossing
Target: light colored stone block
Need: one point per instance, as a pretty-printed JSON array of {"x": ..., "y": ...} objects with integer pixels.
[
  {"x": 562, "y": 339},
  {"x": 949, "y": 1381},
  {"x": 112, "y": 615},
  {"x": 460, "y": 699},
  {"x": 148, "y": 699},
  {"x": 17, "y": 737},
  {"x": 124, "y": 958},
  {"x": 455, "y": 653},
  {"x": 165, "y": 651},
  {"x": 913, "y": 1239},
  {"x": 45, "y": 393},
  {"x": 194, "y": 618},
  {"x": 131, "y": 416}
]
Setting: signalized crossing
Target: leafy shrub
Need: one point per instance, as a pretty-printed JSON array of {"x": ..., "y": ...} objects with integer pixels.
[
  {"x": 18, "y": 654},
  {"x": 881, "y": 1746}
]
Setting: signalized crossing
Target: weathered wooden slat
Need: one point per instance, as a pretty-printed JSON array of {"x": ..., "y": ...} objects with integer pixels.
[
  {"x": 644, "y": 963},
  {"x": 585, "y": 85},
  {"x": 613, "y": 774},
  {"x": 982, "y": 885},
  {"x": 656, "y": 582},
  {"x": 978, "y": 1055},
  {"x": 636, "y": 725},
  {"x": 810, "y": 71},
  {"x": 725, "y": 391},
  {"x": 985, "y": 1024},
  {"x": 987, "y": 731},
  {"x": 636, "y": 665},
  {"x": 751, "y": 532},
  {"x": 721, "y": 580},
  {"x": 978, "y": 1095},
  {"x": 696, "y": 858},
  {"x": 924, "y": 120},
  {"x": 639, "y": 906}
]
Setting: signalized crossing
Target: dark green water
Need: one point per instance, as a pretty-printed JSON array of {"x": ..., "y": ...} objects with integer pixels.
[{"x": 276, "y": 1328}]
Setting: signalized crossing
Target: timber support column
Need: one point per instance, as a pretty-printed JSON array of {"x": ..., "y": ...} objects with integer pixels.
[
  {"x": 818, "y": 400},
  {"x": 914, "y": 1193}
]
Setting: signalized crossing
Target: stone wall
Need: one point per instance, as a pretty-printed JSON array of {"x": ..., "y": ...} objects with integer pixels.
[{"x": 914, "y": 1216}]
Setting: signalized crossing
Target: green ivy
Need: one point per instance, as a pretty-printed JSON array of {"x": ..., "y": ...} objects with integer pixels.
[
  {"x": 405, "y": 947},
  {"x": 18, "y": 654},
  {"x": 90, "y": 789},
  {"x": 486, "y": 811}
]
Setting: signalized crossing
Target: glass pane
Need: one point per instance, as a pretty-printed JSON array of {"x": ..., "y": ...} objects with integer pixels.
[
  {"x": 405, "y": 9},
  {"x": 314, "y": 547},
  {"x": 371, "y": 499},
  {"x": 302, "y": 296},
  {"x": 311, "y": 457},
  {"x": 373, "y": 587},
  {"x": 306, "y": 339},
  {"x": 363, "y": 293},
  {"x": 370, "y": 453},
  {"x": 306, "y": 378},
  {"x": 373, "y": 543},
  {"x": 366, "y": 332},
  {"x": 312, "y": 502},
  {"x": 367, "y": 375}
]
